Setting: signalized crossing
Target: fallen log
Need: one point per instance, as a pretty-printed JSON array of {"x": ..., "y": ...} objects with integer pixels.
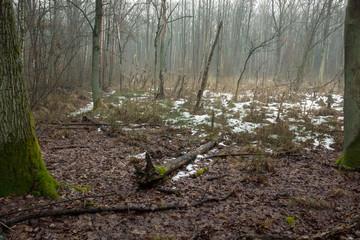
[
  {"x": 148, "y": 175},
  {"x": 127, "y": 209},
  {"x": 274, "y": 154}
]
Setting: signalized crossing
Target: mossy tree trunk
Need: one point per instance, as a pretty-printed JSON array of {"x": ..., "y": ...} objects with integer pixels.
[
  {"x": 22, "y": 169},
  {"x": 351, "y": 154},
  {"x": 95, "y": 74}
]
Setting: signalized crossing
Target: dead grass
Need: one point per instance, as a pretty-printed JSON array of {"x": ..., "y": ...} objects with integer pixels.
[
  {"x": 132, "y": 138},
  {"x": 277, "y": 136},
  {"x": 325, "y": 111},
  {"x": 132, "y": 111},
  {"x": 310, "y": 203},
  {"x": 338, "y": 193},
  {"x": 255, "y": 116},
  {"x": 260, "y": 164},
  {"x": 58, "y": 105}
]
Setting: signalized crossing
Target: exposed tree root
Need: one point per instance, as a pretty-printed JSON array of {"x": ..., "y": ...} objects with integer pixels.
[{"x": 341, "y": 167}]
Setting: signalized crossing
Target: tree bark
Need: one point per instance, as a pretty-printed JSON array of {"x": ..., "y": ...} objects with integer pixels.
[
  {"x": 21, "y": 166},
  {"x": 96, "y": 56},
  {"x": 161, "y": 93},
  {"x": 351, "y": 155},
  {"x": 325, "y": 43}
]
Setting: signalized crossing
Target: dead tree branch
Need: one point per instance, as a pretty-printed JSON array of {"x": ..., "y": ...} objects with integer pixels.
[
  {"x": 151, "y": 174},
  {"x": 136, "y": 209}
]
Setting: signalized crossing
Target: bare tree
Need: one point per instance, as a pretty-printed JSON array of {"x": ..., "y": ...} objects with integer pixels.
[{"x": 206, "y": 71}]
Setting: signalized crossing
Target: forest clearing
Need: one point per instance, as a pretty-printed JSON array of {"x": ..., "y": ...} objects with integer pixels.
[
  {"x": 270, "y": 170},
  {"x": 180, "y": 119}
]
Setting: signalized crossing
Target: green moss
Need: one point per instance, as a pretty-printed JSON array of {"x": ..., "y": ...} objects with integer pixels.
[
  {"x": 199, "y": 172},
  {"x": 98, "y": 103},
  {"x": 91, "y": 204},
  {"x": 351, "y": 158},
  {"x": 161, "y": 170},
  {"x": 22, "y": 169},
  {"x": 290, "y": 221},
  {"x": 79, "y": 188}
]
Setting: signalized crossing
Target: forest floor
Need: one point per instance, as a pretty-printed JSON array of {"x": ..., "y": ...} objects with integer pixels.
[{"x": 282, "y": 185}]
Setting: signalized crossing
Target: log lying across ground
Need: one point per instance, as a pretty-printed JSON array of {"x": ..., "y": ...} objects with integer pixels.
[{"x": 150, "y": 174}]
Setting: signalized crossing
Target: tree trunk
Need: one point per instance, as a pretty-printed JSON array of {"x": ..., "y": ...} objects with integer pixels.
[
  {"x": 184, "y": 47},
  {"x": 351, "y": 155},
  {"x": 96, "y": 56},
  {"x": 21, "y": 166},
  {"x": 301, "y": 70},
  {"x": 325, "y": 43},
  {"x": 219, "y": 53},
  {"x": 276, "y": 78},
  {"x": 161, "y": 93},
  {"x": 206, "y": 71}
]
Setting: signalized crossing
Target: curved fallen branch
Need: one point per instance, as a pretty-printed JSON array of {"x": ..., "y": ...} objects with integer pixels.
[
  {"x": 56, "y": 203},
  {"x": 341, "y": 229},
  {"x": 52, "y": 213}
]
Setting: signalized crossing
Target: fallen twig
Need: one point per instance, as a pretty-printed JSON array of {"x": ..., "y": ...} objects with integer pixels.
[
  {"x": 74, "y": 128},
  {"x": 68, "y": 147},
  {"x": 225, "y": 155},
  {"x": 51, "y": 213},
  {"x": 269, "y": 237},
  {"x": 168, "y": 191},
  {"x": 6, "y": 226},
  {"x": 56, "y": 203},
  {"x": 217, "y": 177},
  {"x": 80, "y": 124}
]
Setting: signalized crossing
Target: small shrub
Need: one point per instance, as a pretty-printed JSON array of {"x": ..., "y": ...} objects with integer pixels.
[
  {"x": 325, "y": 111},
  {"x": 260, "y": 164},
  {"x": 255, "y": 116}
]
